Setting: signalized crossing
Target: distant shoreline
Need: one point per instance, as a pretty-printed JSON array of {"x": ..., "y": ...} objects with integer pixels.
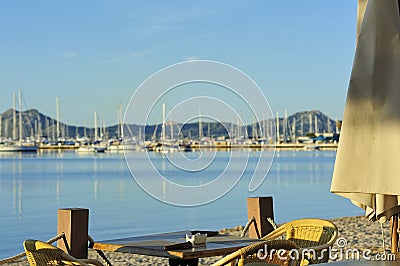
[{"x": 281, "y": 146}]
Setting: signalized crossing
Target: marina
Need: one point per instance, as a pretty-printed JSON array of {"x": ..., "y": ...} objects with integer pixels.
[{"x": 301, "y": 131}]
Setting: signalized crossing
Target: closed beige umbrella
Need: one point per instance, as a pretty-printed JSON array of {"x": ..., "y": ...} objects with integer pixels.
[{"x": 367, "y": 168}]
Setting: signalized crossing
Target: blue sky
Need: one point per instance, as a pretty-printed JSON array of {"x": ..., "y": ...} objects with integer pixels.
[{"x": 94, "y": 54}]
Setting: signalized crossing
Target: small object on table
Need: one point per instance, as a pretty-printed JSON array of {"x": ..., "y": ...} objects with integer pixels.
[{"x": 197, "y": 239}]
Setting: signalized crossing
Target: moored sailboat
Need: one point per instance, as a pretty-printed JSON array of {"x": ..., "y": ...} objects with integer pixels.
[{"x": 17, "y": 146}]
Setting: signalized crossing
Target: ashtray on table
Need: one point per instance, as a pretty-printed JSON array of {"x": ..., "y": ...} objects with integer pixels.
[{"x": 197, "y": 239}]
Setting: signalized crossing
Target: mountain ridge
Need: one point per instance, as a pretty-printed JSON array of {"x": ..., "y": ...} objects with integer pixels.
[{"x": 36, "y": 124}]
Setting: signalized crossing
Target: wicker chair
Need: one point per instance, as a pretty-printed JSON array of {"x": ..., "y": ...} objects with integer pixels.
[
  {"x": 262, "y": 253},
  {"x": 40, "y": 253},
  {"x": 313, "y": 237}
]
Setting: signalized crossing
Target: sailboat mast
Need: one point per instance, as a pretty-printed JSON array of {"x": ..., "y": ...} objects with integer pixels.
[
  {"x": 6, "y": 129},
  {"x": 301, "y": 126},
  {"x": 39, "y": 132},
  {"x": 104, "y": 129},
  {"x": 172, "y": 127},
  {"x": 47, "y": 128},
  {"x": 163, "y": 123},
  {"x": 294, "y": 129},
  {"x": 14, "y": 118},
  {"x": 271, "y": 127},
  {"x": 84, "y": 128},
  {"x": 20, "y": 116},
  {"x": 33, "y": 132},
  {"x": 95, "y": 126},
  {"x": 121, "y": 124},
  {"x": 58, "y": 117},
  {"x": 239, "y": 131},
  {"x": 277, "y": 127},
  {"x": 101, "y": 132},
  {"x": 337, "y": 128},
  {"x": 262, "y": 127},
  {"x": 52, "y": 130},
  {"x": 316, "y": 124},
  {"x": 122, "y": 130},
  {"x": 246, "y": 133},
  {"x": 329, "y": 125},
  {"x": 200, "y": 126},
  {"x": 285, "y": 127}
]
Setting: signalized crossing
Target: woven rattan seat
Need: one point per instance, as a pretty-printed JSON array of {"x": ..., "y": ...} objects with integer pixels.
[{"x": 40, "y": 253}]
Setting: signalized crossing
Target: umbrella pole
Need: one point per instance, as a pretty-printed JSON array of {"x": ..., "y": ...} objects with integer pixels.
[{"x": 394, "y": 226}]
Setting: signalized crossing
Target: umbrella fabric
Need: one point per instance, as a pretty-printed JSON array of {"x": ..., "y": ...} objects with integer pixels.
[
  {"x": 367, "y": 167},
  {"x": 362, "y": 5}
]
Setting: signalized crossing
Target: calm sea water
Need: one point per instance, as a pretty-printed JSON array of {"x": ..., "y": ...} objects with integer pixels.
[{"x": 34, "y": 186}]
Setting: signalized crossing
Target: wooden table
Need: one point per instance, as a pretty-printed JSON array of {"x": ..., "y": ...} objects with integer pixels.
[{"x": 153, "y": 245}]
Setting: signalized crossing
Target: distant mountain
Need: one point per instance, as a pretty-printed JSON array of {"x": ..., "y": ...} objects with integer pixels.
[
  {"x": 36, "y": 124},
  {"x": 307, "y": 122},
  {"x": 31, "y": 120},
  {"x": 300, "y": 123}
]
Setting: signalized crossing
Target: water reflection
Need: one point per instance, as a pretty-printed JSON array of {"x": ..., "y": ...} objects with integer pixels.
[
  {"x": 95, "y": 189},
  {"x": 278, "y": 172},
  {"x": 58, "y": 191},
  {"x": 20, "y": 199},
  {"x": 164, "y": 188},
  {"x": 121, "y": 190},
  {"x": 14, "y": 196},
  {"x": 289, "y": 169},
  {"x": 17, "y": 197}
]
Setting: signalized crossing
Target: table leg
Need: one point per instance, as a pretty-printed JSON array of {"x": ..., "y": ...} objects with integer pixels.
[{"x": 178, "y": 262}]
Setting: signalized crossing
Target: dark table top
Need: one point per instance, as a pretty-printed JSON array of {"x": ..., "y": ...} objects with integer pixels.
[{"x": 153, "y": 245}]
